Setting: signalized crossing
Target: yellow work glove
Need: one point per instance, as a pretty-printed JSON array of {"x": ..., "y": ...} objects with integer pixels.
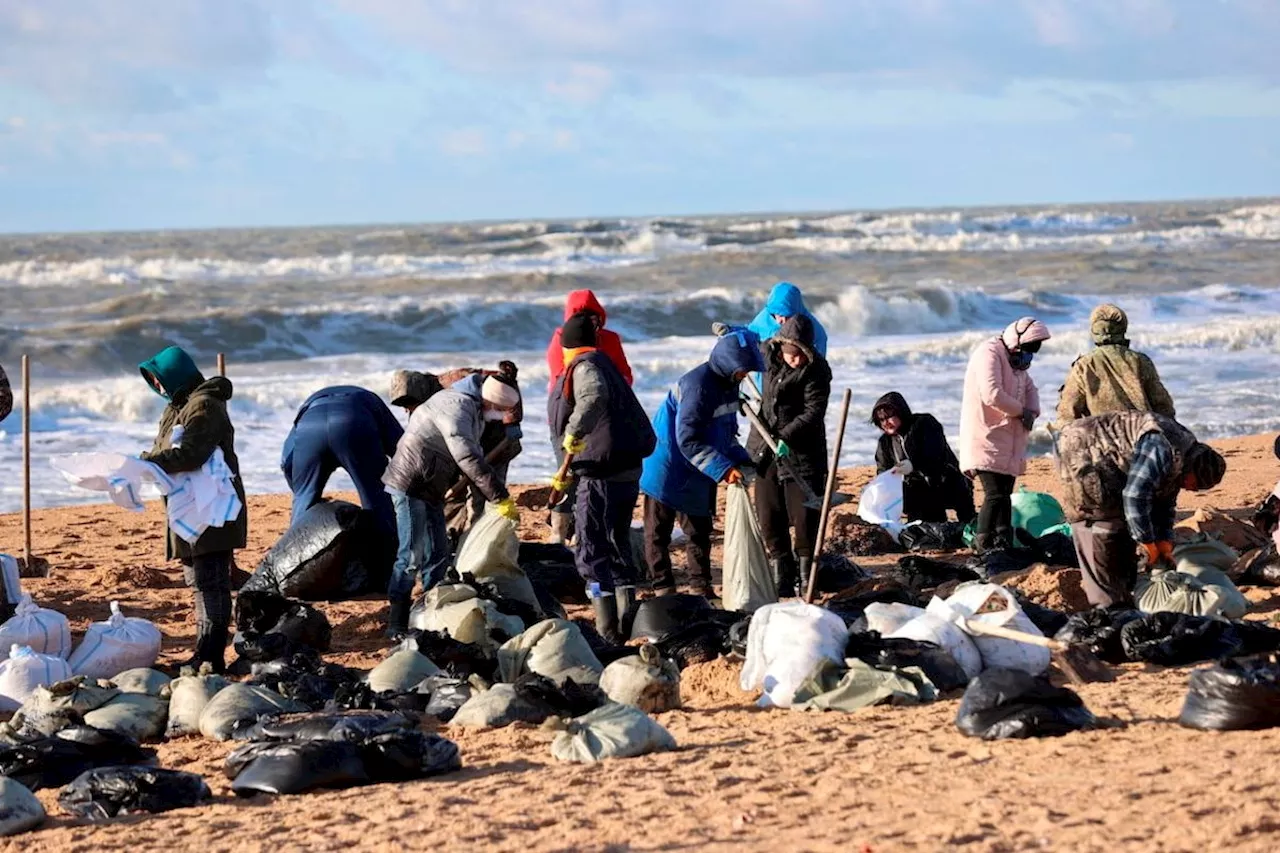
[
  {"x": 573, "y": 444},
  {"x": 561, "y": 483},
  {"x": 507, "y": 509}
]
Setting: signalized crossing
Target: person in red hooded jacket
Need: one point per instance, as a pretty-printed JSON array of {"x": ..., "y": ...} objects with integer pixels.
[{"x": 607, "y": 342}]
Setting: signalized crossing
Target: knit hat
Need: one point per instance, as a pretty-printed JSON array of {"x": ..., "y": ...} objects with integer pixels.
[
  {"x": 1206, "y": 464},
  {"x": 1108, "y": 324},
  {"x": 499, "y": 393},
  {"x": 411, "y": 388},
  {"x": 578, "y": 331}
]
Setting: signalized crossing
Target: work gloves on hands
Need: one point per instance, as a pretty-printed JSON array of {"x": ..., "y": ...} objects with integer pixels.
[
  {"x": 561, "y": 482},
  {"x": 573, "y": 444},
  {"x": 507, "y": 509},
  {"x": 1159, "y": 554}
]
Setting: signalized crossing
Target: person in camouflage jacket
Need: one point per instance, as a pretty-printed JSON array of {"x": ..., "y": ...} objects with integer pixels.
[{"x": 1112, "y": 378}]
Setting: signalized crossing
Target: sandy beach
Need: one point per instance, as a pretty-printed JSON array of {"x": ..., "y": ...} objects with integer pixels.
[{"x": 880, "y": 779}]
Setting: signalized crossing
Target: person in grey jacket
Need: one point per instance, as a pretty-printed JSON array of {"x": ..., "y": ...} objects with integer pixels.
[{"x": 441, "y": 442}]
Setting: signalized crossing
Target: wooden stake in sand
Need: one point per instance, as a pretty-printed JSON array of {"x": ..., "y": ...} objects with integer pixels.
[
  {"x": 222, "y": 364},
  {"x": 26, "y": 459},
  {"x": 826, "y": 498}
]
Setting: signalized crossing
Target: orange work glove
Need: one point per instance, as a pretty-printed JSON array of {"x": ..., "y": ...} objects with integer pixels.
[
  {"x": 733, "y": 477},
  {"x": 1158, "y": 552}
]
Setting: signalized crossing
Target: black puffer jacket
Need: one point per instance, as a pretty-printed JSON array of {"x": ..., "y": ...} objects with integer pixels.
[
  {"x": 921, "y": 439},
  {"x": 795, "y": 403}
]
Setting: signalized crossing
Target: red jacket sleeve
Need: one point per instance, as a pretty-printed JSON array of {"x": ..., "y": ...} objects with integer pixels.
[
  {"x": 611, "y": 345},
  {"x": 555, "y": 360}
]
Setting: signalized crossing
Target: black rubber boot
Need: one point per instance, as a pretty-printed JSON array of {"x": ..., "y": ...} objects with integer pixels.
[
  {"x": 606, "y": 611},
  {"x": 398, "y": 617},
  {"x": 784, "y": 575},
  {"x": 211, "y": 648},
  {"x": 624, "y": 597},
  {"x": 805, "y": 570}
]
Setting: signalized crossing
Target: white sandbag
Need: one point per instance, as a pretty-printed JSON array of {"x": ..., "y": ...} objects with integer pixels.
[
  {"x": 52, "y": 708},
  {"x": 24, "y": 671},
  {"x": 611, "y": 731},
  {"x": 455, "y": 609},
  {"x": 239, "y": 704},
  {"x": 188, "y": 696},
  {"x": 785, "y": 643},
  {"x": 648, "y": 681},
  {"x": 1175, "y": 592},
  {"x": 554, "y": 648},
  {"x": 45, "y": 631},
  {"x": 139, "y": 715},
  {"x": 19, "y": 809},
  {"x": 881, "y": 502},
  {"x": 885, "y": 618},
  {"x": 401, "y": 672},
  {"x": 141, "y": 680},
  {"x": 928, "y": 628},
  {"x": 490, "y": 552},
  {"x": 120, "y": 643},
  {"x": 1208, "y": 561},
  {"x": 992, "y": 604},
  {"x": 497, "y": 707},
  {"x": 748, "y": 581}
]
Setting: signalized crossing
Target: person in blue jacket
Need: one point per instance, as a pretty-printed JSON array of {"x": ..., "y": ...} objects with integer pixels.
[
  {"x": 786, "y": 301},
  {"x": 697, "y": 430},
  {"x": 343, "y": 427}
]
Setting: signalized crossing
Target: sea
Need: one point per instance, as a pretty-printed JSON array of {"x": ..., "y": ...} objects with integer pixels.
[{"x": 905, "y": 296}]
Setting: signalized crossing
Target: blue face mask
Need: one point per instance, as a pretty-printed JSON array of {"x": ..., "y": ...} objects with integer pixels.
[{"x": 1021, "y": 359}]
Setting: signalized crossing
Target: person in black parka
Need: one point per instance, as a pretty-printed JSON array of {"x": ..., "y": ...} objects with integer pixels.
[
  {"x": 796, "y": 389},
  {"x": 916, "y": 445}
]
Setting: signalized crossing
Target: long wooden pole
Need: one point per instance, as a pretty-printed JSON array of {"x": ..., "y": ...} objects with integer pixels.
[
  {"x": 826, "y": 498},
  {"x": 26, "y": 460},
  {"x": 222, "y": 364}
]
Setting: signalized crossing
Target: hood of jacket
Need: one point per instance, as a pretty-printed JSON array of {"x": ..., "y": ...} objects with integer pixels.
[
  {"x": 470, "y": 385},
  {"x": 737, "y": 351},
  {"x": 785, "y": 300},
  {"x": 797, "y": 330},
  {"x": 1108, "y": 324},
  {"x": 176, "y": 371},
  {"x": 584, "y": 300},
  {"x": 892, "y": 400}
]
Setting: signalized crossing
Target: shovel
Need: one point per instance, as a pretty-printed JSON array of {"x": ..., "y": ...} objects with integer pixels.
[
  {"x": 458, "y": 487},
  {"x": 1080, "y": 665},
  {"x": 811, "y": 499},
  {"x": 554, "y": 497}
]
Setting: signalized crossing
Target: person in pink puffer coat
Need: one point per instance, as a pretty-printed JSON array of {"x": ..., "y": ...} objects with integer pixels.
[{"x": 999, "y": 408}]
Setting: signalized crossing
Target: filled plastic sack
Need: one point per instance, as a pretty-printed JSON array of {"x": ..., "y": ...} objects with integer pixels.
[
  {"x": 499, "y": 706},
  {"x": 447, "y": 696},
  {"x": 881, "y": 503},
  {"x": 921, "y": 573},
  {"x": 855, "y": 684},
  {"x": 647, "y": 680},
  {"x": 490, "y": 552},
  {"x": 932, "y": 536},
  {"x": 702, "y": 641},
  {"x": 1174, "y": 592},
  {"x": 42, "y": 630},
  {"x": 270, "y": 625},
  {"x": 748, "y": 582},
  {"x": 188, "y": 696},
  {"x": 1036, "y": 512},
  {"x": 242, "y": 704},
  {"x": 613, "y": 731},
  {"x": 295, "y": 767},
  {"x": 899, "y": 654},
  {"x": 655, "y": 619},
  {"x": 54, "y": 760},
  {"x": 1238, "y": 693},
  {"x": 61, "y": 704},
  {"x": 1213, "y": 524},
  {"x": 400, "y": 756},
  {"x": 554, "y": 648},
  {"x": 1012, "y": 703},
  {"x": 120, "y": 643},
  {"x": 20, "y": 811},
  {"x": 402, "y": 671},
  {"x": 336, "y": 551},
  {"x": 1098, "y": 630},
  {"x": 1208, "y": 561},
  {"x": 355, "y": 726},
  {"x": 1175, "y": 639},
  {"x": 1054, "y": 548},
  {"x": 1260, "y": 566},
  {"x": 135, "y": 715},
  {"x": 885, "y": 618},
  {"x": 109, "y": 792},
  {"x": 997, "y": 561},
  {"x": 142, "y": 680},
  {"x": 459, "y": 611},
  {"x": 25, "y": 670},
  {"x": 785, "y": 643},
  {"x": 994, "y": 605},
  {"x": 945, "y": 634},
  {"x": 461, "y": 660}
]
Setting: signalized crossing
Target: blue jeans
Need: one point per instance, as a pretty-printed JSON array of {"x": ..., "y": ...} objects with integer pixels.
[{"x": 424, "y": 551}]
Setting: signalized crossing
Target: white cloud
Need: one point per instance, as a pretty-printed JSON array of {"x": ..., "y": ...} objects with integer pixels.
[
  {"x": 583, "y": 83},
  {"x": 465, "y": 142}
]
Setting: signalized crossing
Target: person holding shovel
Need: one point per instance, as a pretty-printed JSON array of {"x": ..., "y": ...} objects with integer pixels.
[
  {"x": 793, "y": 409},
  {"x": 596, "y": 419}
]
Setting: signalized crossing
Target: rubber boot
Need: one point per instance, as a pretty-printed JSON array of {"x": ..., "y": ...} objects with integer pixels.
[
  {"x": 606, "y": 611},
  {"x": 805, "y": 570},
  {"x": 398, "y": 617},
  {"x": 561, "y": 528},
  {"x": 624, "y": 596},
  {"x": 211, "y": 648},
  {"x": 784, "y": 575}
]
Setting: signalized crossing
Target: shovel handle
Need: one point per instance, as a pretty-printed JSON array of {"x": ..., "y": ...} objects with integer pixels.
[
  {"x": 975, "y": 627},
  {"x": 456, "y": 489},
  {"x": 554, "y": 497}
]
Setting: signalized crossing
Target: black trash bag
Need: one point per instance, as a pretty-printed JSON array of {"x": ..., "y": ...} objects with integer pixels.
[
  {"x": 1176, "y": 639},
  {"x": 523, "y": 611},
  {"x": 335, "y": 552},
  {"x": 294, "y": 767},
  {"x": 699, "y": 642},
  {"x": 738, "y": 632},
  {"x": 402, "y": 755},
  {"x": 997, "y": 561},
  {"x": 895, "y": 653},
  {"x": 51, "y": 762},
  {"x": 460, "y": 660},
  {"x": 446, "y": 696},
  {"x": 836, "y": 573},
  {"x": 552, "y": 568},
  {"x": 920, "y": 573},
  {"x": 358, "y": 696},
  {"x": 851, "y": 606},
  {"x": 357, "y": 726},
  {"x": 1263, "y": 567},
  {"x": 1238, "y": 693},
  {"x": 1011, "y": 703},
  {"x": 257, "y": 610},
  {"x": 1256, "y": 638},
  {"x": 304, "y": 677},
  {"x": 567, "y": 699},
  {"x": 1048, "y": 620},
  {"x": 261, "y": 648},
  {"x": 654, "y": 619},
  {"x": 1054, "y": 549},
  {"x": 1098, "y": 630},
  {"x": 107, "y": 792},
  {"x": 932, "y": 536}
]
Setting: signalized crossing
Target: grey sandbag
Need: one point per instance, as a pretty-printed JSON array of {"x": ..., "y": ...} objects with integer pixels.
[
  {"x": 53, "y": 708},
  {"x": 1174, "y": 592},
  {"x": 459, "y": 611},
  {"x": 240, "y": 704},
  {"x": 554, "y": 648},
  {"x": 188, "y": 695},
  {"x": 294, "y": 767},
  {"x": 141, "y": 680},
  {"x": 496, "y": 707},
  {"x": 1012, "y": 703},
  {"x": 648, "y": 681},
  {"x": 20, "y": 811},
  {"x": 1208, "y": 561},
  {"x": 401, "y": 672},
  {"x": 857, "y": 684},
  {"x": 748, "y": 581},
  {"x": 613, "y": 731},
  {"x": 138, "y": 715},
  {"x": 490, "y": 552},
  {"x": 109, "y": 792}
]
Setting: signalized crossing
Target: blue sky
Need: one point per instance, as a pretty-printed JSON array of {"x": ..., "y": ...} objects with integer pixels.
[{"x": 119, "y": 114}]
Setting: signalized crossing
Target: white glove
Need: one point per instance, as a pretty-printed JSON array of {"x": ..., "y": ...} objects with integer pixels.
[{"x": 905, "y": 468}]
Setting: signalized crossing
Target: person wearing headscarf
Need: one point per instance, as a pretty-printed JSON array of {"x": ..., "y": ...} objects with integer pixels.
[
  {"x": 997, "y": 413},
  {"x": 1113, "y": 377},
  {"x": 914, "y": 445}
]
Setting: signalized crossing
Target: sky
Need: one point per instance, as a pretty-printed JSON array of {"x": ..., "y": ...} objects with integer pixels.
[{"x": 126, "y": 114}]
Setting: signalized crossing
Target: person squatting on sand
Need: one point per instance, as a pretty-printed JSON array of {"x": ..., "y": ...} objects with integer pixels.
[
  {"x": 697, "y": 428},
  {"x": 595, "y": 416},
  {"x": 1112, "y": 378},
  {"x": 608, "y": 342},
  {"x": 998, "y": 410},
  {"x": 199, "y": 407},
  {"x": 1121, "y": 473},
  {"x": 796, "y": 390},
  {"x": 441, "y": 442},
  {"x": 343, "y": 427},
  {"x": 915, "y": 446}
]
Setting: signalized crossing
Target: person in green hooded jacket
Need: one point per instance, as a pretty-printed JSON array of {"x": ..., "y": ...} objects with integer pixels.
[
  {"x": 1111, "y": 378},
  {"x": 199, "y": 406}
]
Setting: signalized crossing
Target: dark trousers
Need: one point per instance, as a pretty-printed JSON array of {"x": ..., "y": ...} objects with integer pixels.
[
  {"x": 1109, "y": 560},
  {"x": 602, "y": 513},
  {"x": 326, "y": 439},
  {"x": 923, "y": 502},
  {"x": 780, "y": 507},
  {"x": 659, "y": 519},
  {"x": 995, "y": 519},
  {"x": 209, "y": 576}
]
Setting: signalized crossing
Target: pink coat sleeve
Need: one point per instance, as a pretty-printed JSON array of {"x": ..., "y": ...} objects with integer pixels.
[
  {"x": 991, "y": 390},
  {"x": 1033, "y": 396}
]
